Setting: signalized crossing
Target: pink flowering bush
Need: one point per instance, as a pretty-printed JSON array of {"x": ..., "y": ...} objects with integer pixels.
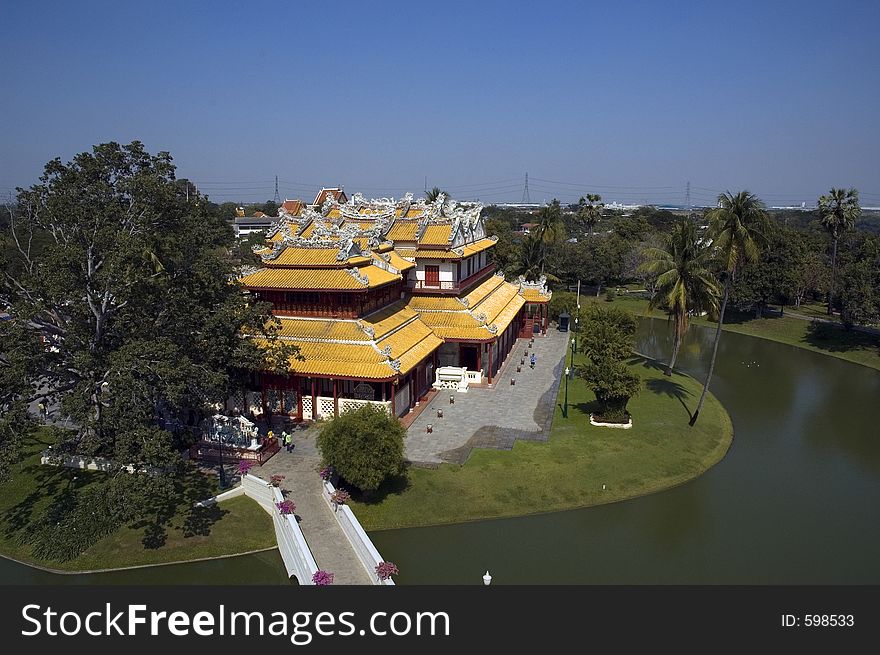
[
  {"x": 385, "y": 570},
  {"x": 326, "y": 473},
  {"x": 322, "y": 578},
  {"x": 276, "y": 480},
  {"x": 286, "y": 507},
  {"x": 244, "y": 466},
  {"x": 340, "y": 497}
]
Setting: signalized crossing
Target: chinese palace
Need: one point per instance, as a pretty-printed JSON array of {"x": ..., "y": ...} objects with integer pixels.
[{"x": 386, "y": 300}]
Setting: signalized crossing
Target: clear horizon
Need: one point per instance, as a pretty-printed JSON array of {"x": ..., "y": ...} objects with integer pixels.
[{"x": 632, "y": 101}]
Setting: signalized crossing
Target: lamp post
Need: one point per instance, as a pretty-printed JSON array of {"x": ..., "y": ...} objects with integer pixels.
[
  {"x": 571, "y": 367},
  {"x": 565, "y": 405}
]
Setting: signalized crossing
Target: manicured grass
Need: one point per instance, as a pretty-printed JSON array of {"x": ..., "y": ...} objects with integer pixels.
[
  {"x": 568, "y": 470},
  {"x": 236, "y": 526},
  {"x": 828, "y": 339}
]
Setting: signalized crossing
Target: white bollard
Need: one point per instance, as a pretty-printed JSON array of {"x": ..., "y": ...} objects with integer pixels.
[{"x": 487, "y": 579}]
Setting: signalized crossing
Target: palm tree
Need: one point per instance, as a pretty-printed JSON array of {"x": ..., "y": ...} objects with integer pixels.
[
  {"x": 531, "y": 257},
  {"x": 550, "y": 229},
  {"x": 434, "y": 193},
  {"x": 737, "y": 227},
  {"x": 684, "y": 281},
  {"x": 590, "y": 210},
  {"x": 838, "y": 212}
]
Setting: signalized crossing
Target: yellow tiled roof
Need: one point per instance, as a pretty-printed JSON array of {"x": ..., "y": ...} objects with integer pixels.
[
  {"x": 388, "y": 318},
  {"x": 483, "y": 289},
  {"x": 344, "y": 348},
  {"x": 435, "y": 304},
  {"x": 494, "y": 301},
  {"x": 306, "y": 328},
  {"x": 476, "y": 246},
  {"x": 436, "y": 235},
  {"x": 403, "y": 231},
  {"x": 308, "y": 279},
  {"x": 342, "y": 360},
  {"x": 396, "y": 260},
  {"x": 533, "y": 295},
  {"x": 305, "y": 257},
  {"x": 419, "y": 253},
  {"x": 414, "y": 213}
]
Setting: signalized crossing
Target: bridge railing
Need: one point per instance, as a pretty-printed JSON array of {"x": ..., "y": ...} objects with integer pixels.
[{"x": 360, "y": 541}]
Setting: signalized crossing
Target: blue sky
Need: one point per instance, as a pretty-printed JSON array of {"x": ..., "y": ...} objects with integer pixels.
[{"x": 630, "y": 99}]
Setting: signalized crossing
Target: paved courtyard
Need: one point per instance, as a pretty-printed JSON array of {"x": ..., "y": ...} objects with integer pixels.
[{"x": 496, "y": 417}]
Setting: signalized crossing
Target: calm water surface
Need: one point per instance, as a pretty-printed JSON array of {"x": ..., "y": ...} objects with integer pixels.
[{"x": 795, "y": 501}]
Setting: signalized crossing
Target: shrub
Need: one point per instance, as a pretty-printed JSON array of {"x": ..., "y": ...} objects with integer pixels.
[
  {"x": 244, "y": 466},
  {"x": 364, "y": 446},
  {"x": 610, "y": 294}
]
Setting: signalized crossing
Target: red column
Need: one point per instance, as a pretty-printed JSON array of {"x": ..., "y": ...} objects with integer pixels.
[
  {"x": 314, "y": 402},
  {"x": 480, "y": 357},
  {"x": 393, "y": 404},
  {"x": 490, "y": 363}
]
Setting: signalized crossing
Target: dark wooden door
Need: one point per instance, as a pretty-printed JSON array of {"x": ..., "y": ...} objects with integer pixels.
[{"x": 432, "y": 276}]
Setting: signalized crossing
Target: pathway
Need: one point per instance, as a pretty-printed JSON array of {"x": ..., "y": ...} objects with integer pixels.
[
  {"x": 329, "y": 545},
  {"x": 493, "y": 417}
]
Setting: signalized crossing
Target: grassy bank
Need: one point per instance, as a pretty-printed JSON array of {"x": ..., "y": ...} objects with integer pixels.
[
  {"x": 568, "y": 470},
  {"x": 180, "y": 532},
  {"x": 828, "y": 339}
]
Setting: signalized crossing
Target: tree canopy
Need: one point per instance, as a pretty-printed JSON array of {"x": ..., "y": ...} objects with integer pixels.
[
  {"x": 131, "y": 299},
  {"x": 365, "y": 446}
]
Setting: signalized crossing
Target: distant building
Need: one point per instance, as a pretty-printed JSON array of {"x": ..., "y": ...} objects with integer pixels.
[
  {"x": 245, "y": 225},
  {"x": 292, "y": 207},
  {"x": 336, "y": 194}
]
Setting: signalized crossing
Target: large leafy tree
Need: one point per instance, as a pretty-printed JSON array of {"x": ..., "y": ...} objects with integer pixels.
[
  {"x": 365, "y": 446},
  {"x": 590, "y": 211},
  {"x": 684, "y": 280},
  {"x": 132, "y": 300},
  {"x": 607, "y": 340},
  {"x": 860, "y": 289},
  {"x": 737, "y": 227},
  {"x": 838, "y": 211}
]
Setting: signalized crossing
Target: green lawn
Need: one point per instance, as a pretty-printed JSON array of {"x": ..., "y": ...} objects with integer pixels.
[
  {"x": 238, "y": 525},
  {"x": 832, "y": 340},
  {"x": 568, "y": 471}
]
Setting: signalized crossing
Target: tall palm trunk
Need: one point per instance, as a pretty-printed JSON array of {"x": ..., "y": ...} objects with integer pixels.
[
  {"x": 676, "y": 344},
  {"x": 832, "y": 286},
  {"x": 714, "y": 352}
]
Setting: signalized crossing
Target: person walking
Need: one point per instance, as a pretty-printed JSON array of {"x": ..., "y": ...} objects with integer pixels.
[
  {"x": 533, "y": 360},
  {"x": 41, "y": 408},
  {"x": 288, "y": 441}
]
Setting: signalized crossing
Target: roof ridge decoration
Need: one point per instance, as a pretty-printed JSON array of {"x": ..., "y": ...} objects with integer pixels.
[
  {"x": 384, "y": 262},
  {"x": 244, "y": 271},
  {"x": 357, "y": 275},
  {"x": 539, "y": 285},
  {"x": 368, "y": 329}
]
